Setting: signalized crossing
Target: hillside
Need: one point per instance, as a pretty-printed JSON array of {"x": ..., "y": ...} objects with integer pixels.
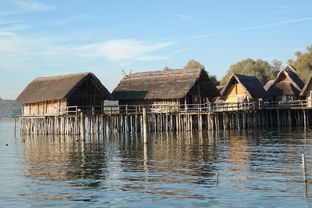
[{"x": 8, "y": 109}]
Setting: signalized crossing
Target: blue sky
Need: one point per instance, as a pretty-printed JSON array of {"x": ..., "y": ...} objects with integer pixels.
[{"x": 45, "y": 38}]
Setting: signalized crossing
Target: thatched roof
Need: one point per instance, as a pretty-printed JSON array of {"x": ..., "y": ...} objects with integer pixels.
[
  {"x": 268, "y": 84},
  {"x": 287, "y": 82},
  {"x": 57, "y": 87},
  {"x": 251, "y": 84},
  {"x": 307, "y": 84},
  {"x": 166, "y": 84}
]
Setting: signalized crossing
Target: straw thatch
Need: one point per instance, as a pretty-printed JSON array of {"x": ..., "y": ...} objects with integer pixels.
[
  {"x": 251, "y": 84},
  {"x": 162, "y": 85},
  {"x": 286, "y": 83},
  {"x": 306, "y": 87},
  {"x": 57, "y": 87}
]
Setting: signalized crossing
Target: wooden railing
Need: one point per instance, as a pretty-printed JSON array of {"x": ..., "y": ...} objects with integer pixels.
[
  {"x": 189, "y": 108},
  {"x": 292, "y": 104},
  {"x": 162, "y": 108}
]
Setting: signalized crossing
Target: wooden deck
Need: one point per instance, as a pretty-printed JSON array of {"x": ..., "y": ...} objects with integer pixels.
[
  {"x": 75, "y": 120},
  {"x": 189, "y": 109}
]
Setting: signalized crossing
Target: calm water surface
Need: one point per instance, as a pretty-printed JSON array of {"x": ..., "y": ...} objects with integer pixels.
[{"x": 256, "y": 168}]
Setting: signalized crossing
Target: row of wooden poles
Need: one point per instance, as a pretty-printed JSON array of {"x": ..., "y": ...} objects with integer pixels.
[{"x": 159, "y": 122}]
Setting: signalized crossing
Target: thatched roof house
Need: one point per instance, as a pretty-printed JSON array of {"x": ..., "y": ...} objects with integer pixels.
[
  {"x": 286, "y": 86},
  {"x": 241, "y": 87},
  {"x": 307, "y": 89},
  {"x": 51, "y": 95},
  {"x": 179, "y": 86}
]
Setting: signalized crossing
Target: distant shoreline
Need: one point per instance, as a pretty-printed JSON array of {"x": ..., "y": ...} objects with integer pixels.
[{"x": 5, "y": 119}]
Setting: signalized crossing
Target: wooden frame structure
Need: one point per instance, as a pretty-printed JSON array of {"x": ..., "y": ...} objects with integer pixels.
[
  {"x": 50, "y": 96},
  {"x": 167, "y": 87},
  {"x": 286, "y": 86}
]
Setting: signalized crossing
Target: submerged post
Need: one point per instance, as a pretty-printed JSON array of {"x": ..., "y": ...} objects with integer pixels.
[
  {"x": 304, "y": 120},
  {"x": 82, "y": 126},
  {"x": 145, "y": 125},
  {"x": 303, "y": 166},
  {"x": 14, "y": 126}
]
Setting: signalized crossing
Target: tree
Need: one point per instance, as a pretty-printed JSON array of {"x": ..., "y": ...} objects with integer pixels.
[
  {"x": 259, "y": 68},
  {"x": 303, "y": 63},
  {"x": 214, "y": 80},
  {"x": 191, "y": 64},
  {"x": 166, "y": 68}
]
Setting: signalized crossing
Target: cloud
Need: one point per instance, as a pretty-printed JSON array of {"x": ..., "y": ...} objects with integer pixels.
[
  {"x": 179, "y": 50},
  {"x": 32, "y": 5},
  {"x": 126, "y": 49},
  {"x": 12, "y": 28},
  {"x": 249, "y": 28},
  {"x": 9, "y": 41},
  {"x": 8, "y": 22},
  {"x": 274, "y": 24}
]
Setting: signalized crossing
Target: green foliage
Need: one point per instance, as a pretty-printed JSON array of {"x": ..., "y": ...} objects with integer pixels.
[
  {"x": 214, "y": 80},
  {"x": 166, "y": 68},
  {"x": 193, "y": 64},
  {"x": 303, "y": 63},
  {"x": 259, "y": 68}
]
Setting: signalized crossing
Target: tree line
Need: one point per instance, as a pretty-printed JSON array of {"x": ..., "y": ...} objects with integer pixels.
[{"x": 264, "y": 70}]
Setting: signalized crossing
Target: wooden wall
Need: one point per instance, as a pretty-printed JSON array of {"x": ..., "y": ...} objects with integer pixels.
[
  {"x": 165, "y": 106},
  {"x": 158, "y": 106},
  {"x": 45, "y": 108},
  {"x": 236, "y": 93}
]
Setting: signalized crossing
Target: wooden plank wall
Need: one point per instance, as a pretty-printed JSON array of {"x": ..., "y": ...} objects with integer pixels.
[{"x": 46, "y": 108}]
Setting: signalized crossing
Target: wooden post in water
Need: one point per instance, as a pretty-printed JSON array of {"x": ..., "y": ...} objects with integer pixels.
[
  {"x": 278, "y": 118},
  {"x": 14, "y": 126},
  {"x": 82, "y": 126},
  {"x": 289, "y": 118},
  {"x": 303, "y": 166},
  {"x": 145, "y": 125},
  {"x": 304, "y": 120}
]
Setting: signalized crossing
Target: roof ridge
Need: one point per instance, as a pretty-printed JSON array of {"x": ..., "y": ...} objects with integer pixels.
[
  {"x": 62, "y": 76},
  {"x": 164, "y": 72}
]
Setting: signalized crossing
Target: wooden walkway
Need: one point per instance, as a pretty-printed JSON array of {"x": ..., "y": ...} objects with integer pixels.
[{"x": 75, "y": 120}]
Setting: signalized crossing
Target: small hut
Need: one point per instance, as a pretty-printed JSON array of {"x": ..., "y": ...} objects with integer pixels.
[
  {"x": 170, "y": 87},
  {"x": 307, "y": 91},
  {"x": 49, "y": 96},
  {"x": 242, "y": 88},
  {"x": 286, "y": 86}
]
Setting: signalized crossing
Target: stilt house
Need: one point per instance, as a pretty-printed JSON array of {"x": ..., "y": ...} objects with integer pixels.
[
  {"x": 49, "y": 96},
  {"x": 307, "y": 91},
  {"x": 242, "y": 88},
  {"x": 173, "y": 87},
  {"x": 286, "y": 86}
]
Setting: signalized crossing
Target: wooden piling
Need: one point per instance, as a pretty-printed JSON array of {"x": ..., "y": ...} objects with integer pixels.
[
  {"x": 14, "y": 126},
  {"x": 82, "y": 126},
  {"x": 304, "y": 120},
  {"x": 145, "y": 126},
  {"x": 303, "y": 166}
]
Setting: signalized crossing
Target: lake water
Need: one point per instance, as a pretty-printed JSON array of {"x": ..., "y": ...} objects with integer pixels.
[{"x": 254, "y": 168}]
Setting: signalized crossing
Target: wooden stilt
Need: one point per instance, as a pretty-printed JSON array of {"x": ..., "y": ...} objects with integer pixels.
[
  {"x": 145, "y": 126},
  {"x": 82, "y": 126}
]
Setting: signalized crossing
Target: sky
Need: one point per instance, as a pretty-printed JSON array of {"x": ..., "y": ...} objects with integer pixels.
[{"x": 41, "y": 38}]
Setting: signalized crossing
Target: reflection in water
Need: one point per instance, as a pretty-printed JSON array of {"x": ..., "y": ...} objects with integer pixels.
[{"x": 172, "y": 166}]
